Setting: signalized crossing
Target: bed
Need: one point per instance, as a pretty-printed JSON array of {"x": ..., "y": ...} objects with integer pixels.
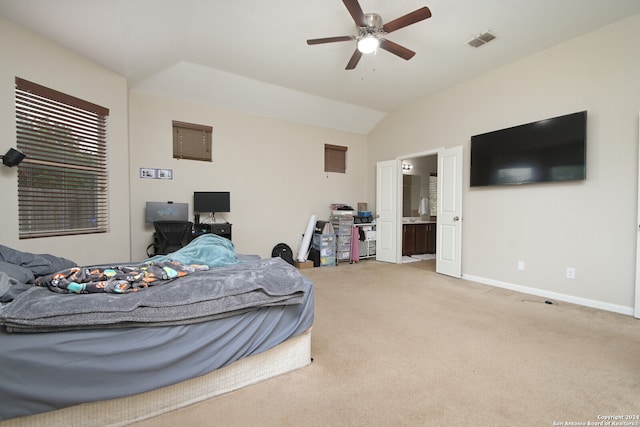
[{"x": 111, "y": 358}]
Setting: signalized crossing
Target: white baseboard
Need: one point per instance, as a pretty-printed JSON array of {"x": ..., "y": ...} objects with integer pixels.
[{"x": 553, "y": 295}]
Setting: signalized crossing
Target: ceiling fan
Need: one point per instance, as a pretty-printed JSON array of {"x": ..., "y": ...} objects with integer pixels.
[{"x": 371, "y": 32}]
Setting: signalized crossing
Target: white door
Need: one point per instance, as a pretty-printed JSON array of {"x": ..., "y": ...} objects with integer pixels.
[
  {"x": 636, "y": 311},
  {"x": 388, "y": 214},
  {"x": 449, "y": 227}
]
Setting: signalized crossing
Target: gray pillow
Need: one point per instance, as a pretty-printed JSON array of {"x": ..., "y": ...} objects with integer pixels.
[
  {"x": 39, "y": 264},
  {"x": 21, "y": 274},
  {"x": 45, "y": 264}
]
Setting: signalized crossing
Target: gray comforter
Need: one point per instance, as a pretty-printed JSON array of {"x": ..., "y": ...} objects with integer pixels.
[{"x": 200, "y": 296}]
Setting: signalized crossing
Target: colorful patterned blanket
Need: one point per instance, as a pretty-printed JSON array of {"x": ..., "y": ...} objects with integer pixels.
[{"x": 115, "y": 279}]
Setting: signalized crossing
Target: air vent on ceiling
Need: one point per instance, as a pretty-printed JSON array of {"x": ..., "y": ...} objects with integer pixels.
[{"x": 481, "y": 39}]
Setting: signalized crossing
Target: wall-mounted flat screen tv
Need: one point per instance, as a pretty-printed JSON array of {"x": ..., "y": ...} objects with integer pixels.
[
  {"x": 166, "y": 211},
  {"x": 211, "y": 201},
  {"x": 551, "y": 150}
]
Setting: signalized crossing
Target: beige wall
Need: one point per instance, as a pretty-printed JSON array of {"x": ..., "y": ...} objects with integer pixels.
[
  {"x": 274, "y": 170},
  {"x": 33, "y": 58},
  {"x": 588, "y": 225}
]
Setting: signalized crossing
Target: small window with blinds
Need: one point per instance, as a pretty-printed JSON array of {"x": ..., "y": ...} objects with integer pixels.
[
  {"x": 191, "y": 141},
  {"x": 335, "y": 158},
  {"x": 62, "y": 183}
]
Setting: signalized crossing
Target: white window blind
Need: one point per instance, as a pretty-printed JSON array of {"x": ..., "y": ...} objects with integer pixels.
[{"x": 62, "y": 184}]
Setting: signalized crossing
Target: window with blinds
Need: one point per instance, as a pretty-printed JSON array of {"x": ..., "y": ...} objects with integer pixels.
[
  {"x": 335, "y": 158},
  {"x": 62, "y": 184},
  {"x": 191, "y": 141}
]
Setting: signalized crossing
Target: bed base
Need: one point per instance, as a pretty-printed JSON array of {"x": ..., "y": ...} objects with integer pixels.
[{"x": 290, "y": 355}]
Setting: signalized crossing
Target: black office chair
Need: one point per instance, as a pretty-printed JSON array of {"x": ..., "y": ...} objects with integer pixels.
[{"x": 171, "y": 236}]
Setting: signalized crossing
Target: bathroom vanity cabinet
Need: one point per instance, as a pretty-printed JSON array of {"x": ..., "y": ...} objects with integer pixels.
[{"x": 418, "y": 238}]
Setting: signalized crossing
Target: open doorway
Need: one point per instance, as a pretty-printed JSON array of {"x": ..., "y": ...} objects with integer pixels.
[
  {"x": 419, "y": 201},
  {"x": 448, "y": 223}
]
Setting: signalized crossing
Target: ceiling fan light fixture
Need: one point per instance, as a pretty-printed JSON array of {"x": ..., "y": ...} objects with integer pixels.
[
  {"x": 368, "y": 44},
  {"x": 371, "y": 33}
]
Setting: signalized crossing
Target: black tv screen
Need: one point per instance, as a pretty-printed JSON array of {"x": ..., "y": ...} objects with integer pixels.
[
  {"x": 211, "y": 201},
  {"x": 551, "y": 150}
]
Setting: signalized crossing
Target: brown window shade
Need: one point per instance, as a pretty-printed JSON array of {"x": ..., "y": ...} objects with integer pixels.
[
  {"x": 191, "y": 141},
  {"x": 62, "y": 183},
  {"x": 335, "y": 158}
]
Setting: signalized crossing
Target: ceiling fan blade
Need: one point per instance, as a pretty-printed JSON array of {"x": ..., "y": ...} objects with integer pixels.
[
  {"x": 356, "y": 12},
  {"x": 330, "y": 40},
  {"x": 396, "y": 49},
  {"x": 408, "y": 19},
  {"x": 355, "y": 58}
]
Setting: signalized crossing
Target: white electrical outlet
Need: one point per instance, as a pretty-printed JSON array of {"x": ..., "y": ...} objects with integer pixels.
[
  {"x": 571, "y": 273},
  {"x": 521, "y": 265}
]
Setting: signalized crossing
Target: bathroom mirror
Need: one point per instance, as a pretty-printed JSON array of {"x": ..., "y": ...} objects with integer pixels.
[{"x": 410, "y": 195}]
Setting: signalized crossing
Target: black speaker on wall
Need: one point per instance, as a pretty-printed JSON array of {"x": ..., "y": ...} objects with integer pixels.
[{"x": 13, "y": 157}]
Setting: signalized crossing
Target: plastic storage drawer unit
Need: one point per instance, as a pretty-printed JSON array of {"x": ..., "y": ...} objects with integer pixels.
[{"x": 326, "y": 245}]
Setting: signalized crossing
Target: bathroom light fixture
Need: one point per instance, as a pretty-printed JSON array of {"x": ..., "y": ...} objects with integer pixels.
[
  {"x": 368, "y": 44},
  {"x": 13, "y": 157},
  {"x": 407, "y": 166}
]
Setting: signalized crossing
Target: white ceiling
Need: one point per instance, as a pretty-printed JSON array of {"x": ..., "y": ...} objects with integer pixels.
[{"x": 253, "y": 56}]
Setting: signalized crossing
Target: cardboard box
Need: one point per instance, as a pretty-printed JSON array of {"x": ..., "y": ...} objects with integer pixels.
[{"x": 305, "y": 264}]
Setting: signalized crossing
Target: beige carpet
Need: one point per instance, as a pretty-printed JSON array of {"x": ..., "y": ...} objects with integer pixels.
[{"x": 399, "y": 345}]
